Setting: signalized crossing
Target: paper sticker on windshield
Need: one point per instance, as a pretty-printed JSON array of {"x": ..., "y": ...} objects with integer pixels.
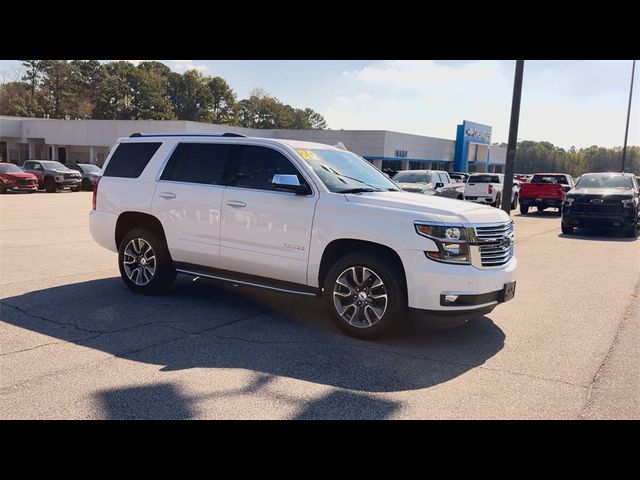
[{"x": 307, "y": 154}]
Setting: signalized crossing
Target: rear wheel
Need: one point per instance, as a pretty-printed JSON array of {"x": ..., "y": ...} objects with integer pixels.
[
  {"x": 50, "y": 185},
  {"x": 145, "y": 263},
  {"x": 514, "y": 204},
  {"x": 497, "y": 202},
  {"x": 566, "y": 229},
  {"x": 365, "y": 295},
  {"x": 86, "y": 184},
  {"x": 524, "y": 209}
]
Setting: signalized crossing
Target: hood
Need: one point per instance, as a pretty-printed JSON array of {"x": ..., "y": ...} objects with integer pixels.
[
  {"x": 425, "y": 206},
  {"x": 18, "y": 175},
  {"x": 599, "y": 192},
  {"x": 66, "y": 170},
  {"x": 415, "y": 186}
]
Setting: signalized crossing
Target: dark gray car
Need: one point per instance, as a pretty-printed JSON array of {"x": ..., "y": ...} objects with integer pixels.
[{"x": 90, "y": 174}]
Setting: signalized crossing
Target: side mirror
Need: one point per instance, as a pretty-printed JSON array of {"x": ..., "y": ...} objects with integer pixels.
[
  {"x": 439, "y": 184},
  {"x": 289, "y": 183}
]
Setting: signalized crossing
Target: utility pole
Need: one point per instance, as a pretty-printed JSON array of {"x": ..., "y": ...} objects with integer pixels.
[
  {"x": 513, "y": 138},
  {"x": 626, "y": 131}
]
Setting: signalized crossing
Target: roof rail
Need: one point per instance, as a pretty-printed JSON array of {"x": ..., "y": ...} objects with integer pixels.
[{"x": 186, "y": 134}]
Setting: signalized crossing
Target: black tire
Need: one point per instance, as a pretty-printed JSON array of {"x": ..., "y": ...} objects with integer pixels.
[
  {"x": 50, "y": 185},
  {"x": 86, "y": 184},
  {"x": 514, "y": 204},
  {"x": 524, "y": 209},
  {"x": 566, "y": 229},
  {"x": 632, "y": 231},
  {"x": 164, "y": 272},
  {"x": 460, "y": 197},
  {"x": 3, "y": 189},
  {"x": 393, "y": 284},
  {"x": 497, "y": 202}
]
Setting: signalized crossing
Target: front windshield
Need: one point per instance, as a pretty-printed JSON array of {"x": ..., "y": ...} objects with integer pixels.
[
  {"x": 343, "y": 171},
  {"x": 10, "y": 169},
  {"x": 412, "y": 177},
  {"x": 54, "y": 165},
  {"x": 604, "y": 181},
  {"x": 89, "y": 168}
]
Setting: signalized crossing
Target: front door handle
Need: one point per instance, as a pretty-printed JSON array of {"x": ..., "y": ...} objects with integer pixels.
[
  {"x": 236, "y": 204},
  {"x": 168, "y": 195}
]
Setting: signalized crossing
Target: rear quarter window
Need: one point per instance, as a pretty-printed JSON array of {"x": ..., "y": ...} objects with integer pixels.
[{"x": 130, "y": 159}]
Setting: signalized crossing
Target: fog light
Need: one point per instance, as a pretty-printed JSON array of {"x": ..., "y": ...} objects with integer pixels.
[{"x": 450, "y": 298}]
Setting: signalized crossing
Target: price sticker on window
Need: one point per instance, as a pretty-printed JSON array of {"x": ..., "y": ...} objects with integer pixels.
[{"x": 306, "y": 154}]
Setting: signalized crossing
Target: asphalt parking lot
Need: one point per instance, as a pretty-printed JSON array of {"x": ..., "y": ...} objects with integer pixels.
[{"x": 76, "y": 343}]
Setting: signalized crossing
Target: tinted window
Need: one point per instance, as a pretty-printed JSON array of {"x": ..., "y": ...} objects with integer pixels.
[
  {"x": 28, "y": 165},
  {"x": 257, "y": 165},
  {"x": 484, "y": 179},
  {"x": 550, "y": 179},
  {"x": 129, "y": 159},
  {"x": 197, "y": 163}
]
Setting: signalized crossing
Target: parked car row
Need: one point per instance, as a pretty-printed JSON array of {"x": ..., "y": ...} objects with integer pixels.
[
  {"x": 48, "y": 175},
  {"x": 595, "y": 199}
]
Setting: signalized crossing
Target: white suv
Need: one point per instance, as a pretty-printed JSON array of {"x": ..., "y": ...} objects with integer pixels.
[{"x": 302, "y": 218}]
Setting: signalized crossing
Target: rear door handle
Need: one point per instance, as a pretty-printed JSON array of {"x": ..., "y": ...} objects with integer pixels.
[
  {"x": 236, "y": 204},
  {"x": 168, "y": 195}
]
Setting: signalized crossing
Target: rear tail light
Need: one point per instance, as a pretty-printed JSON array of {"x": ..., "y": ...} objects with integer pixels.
[
  {"x": 490, "y": 189},
  {"x": 95, "y": 192}
]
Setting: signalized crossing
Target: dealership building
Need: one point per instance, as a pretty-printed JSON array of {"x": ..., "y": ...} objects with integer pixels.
[{"x": 89, "y": 141}]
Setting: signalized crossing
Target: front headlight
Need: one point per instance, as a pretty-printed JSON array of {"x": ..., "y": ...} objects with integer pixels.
[
  {"x": 59, "y": 178},
  {"x": 628, "y": 202},
  {"x": 450, "y": 240},
  {"x": 567, "y": 202}
]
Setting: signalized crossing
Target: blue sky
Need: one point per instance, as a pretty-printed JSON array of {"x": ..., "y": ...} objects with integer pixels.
[{"x": 578, "y": 103}]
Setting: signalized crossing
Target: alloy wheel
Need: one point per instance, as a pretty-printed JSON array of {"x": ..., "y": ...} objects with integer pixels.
[
  {"x": 139, "y": 261},
  {"x": 360, "y": 297}
]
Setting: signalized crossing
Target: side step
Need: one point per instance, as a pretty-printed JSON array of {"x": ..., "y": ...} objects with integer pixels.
[{"x": 248, "y": 280}]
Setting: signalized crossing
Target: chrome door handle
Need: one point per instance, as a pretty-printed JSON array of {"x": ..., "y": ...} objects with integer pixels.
[
  {"x": 168, "y": 195},
  {"x": 236, "y": 204}
]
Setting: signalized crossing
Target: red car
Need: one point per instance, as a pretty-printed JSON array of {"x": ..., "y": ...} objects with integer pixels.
[
  {"x": 545, "y": 190},
  {"x": 14, "y": 179}
]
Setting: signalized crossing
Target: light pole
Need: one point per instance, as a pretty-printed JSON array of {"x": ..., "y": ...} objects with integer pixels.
[
  {"x": 513, "y": 137},
  {"x": 626, "y": 131}
]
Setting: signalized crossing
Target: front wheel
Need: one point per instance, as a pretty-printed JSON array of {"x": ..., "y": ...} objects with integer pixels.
[
  {"x": 566, "y": 229},
  {"x": 50, "y": 185},
  {"x": 632, "y": 231},
  {"x": 524, "y": 209},
  {"x": 86, "y": 184},
  {"x": 365, "y": 294},
  {"x": 3, "y": 189},
  {"x": 145, "y": 263}
]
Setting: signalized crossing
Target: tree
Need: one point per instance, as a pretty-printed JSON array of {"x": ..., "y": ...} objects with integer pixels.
[
  {"x": 190, "y": 96},
  {"x": 57, "y": 87},
  {"x": 16, "y": 100},
  {"x": 33, "y": 73},
  {"x": 223, "y": 101},
  {"x": 316, "y": 121}
]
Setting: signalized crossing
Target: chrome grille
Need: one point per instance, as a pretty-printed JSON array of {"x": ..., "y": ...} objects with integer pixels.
[{"x": 494, "y": 243}]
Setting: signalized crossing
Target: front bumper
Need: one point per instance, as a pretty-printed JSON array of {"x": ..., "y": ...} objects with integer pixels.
[
  {"x": 598, "y": 220},
  {"x": 22, "y": 188},
  {"x": 428, "y": 280},
  {"x": 69, "y": 183}
]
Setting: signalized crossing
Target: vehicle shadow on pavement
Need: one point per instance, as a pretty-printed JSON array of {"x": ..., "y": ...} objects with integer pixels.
[
  {"x": 598, "y": 234},
  {"x": 205, "y": 324},
  {"x": 547, "y": 214}
]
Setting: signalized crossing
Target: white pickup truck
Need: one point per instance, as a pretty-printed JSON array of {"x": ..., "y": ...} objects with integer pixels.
[
  {"x": 301, "y": 218},
  {"x": 486, "y": 188}
]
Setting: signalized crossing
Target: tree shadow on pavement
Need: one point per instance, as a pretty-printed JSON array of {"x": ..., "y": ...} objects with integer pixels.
[{"x": 204, "y": 324}]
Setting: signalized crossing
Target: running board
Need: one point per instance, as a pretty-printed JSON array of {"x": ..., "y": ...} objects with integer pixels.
[{"x": 253, "y": 282}]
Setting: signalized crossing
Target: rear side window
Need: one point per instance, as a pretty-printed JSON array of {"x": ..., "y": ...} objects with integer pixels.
[
  {"x": 197, "y": 163},
  {"x": 257, "y": 165},
  {"x": 129, "y": 159}
]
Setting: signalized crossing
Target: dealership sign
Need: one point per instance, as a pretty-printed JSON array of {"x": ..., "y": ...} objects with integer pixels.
[{"x": 479, "y": 134}]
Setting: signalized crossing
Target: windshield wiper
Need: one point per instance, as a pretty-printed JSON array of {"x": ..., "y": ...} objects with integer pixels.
[{"x": 360, "y": 190}]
